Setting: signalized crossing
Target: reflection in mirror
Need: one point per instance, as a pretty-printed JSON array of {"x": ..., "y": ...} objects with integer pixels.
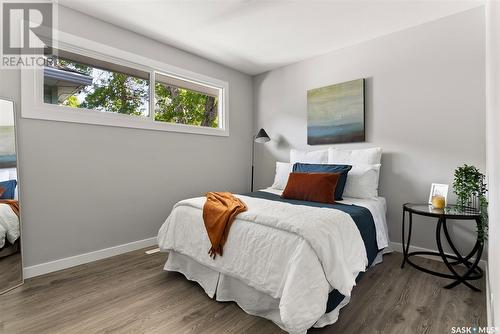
[{"x": 11, "y": 268}]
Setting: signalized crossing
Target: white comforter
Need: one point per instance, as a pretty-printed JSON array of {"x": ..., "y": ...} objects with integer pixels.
[
  {"x": 295, "y": 253},
  {"x": 9, "y": 225}
]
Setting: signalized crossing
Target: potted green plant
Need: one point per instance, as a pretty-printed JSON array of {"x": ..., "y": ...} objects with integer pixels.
[{"x": 470, "y": 187}]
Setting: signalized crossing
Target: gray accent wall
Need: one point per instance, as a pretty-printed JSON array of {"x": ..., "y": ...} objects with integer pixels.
[
  {"x": 86, "y": 187},
  {"x": 425, "y": 106}
]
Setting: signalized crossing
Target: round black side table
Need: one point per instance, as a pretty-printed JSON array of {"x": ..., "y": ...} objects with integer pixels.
[{"x": 473, "y": 271}]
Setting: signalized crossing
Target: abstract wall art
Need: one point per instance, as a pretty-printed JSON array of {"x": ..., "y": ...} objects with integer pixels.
[{"x": 336, "y": 113}]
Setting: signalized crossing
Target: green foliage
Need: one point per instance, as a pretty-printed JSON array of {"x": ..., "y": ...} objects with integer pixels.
[
  {"x": 72, "y": 66},
  {"x": 71, "y": 101},
  {"x": 119, "y": 93},
  {"x": 110, "y": 91},
  {"x": 469, "y": 183},
  {"x": 125, "y": 94},
  {"x": 182, "y": 106}
]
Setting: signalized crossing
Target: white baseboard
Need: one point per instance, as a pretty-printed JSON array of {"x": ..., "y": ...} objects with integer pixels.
[
  {"x": 68, "y": 262},
  {"x": 398, "y": 247}
]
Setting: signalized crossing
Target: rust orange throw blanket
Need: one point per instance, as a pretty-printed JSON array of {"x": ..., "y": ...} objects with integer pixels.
[
  {"x": 219, "y": 212},
  {"x": 13, "y": 204}
]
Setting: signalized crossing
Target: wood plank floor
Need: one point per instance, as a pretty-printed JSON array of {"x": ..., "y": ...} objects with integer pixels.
[
  {"x": 11, "y": 271},
  {"x": 131, "y": 293}
]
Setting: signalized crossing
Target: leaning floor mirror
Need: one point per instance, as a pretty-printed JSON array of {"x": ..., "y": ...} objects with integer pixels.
[{"x": 11, "y": 267}]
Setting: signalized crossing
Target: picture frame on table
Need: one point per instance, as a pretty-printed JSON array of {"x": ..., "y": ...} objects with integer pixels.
[{"x": 439, "y": 189}]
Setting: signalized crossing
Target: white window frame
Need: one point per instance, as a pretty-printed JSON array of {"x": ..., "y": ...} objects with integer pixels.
[{"x": 34, "y": 107}]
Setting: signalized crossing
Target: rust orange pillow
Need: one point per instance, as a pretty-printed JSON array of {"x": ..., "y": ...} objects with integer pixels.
[{"x": 311, "y": 187}]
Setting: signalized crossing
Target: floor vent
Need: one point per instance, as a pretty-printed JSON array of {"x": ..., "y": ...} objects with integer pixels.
[{"x": 152, "y": 251}]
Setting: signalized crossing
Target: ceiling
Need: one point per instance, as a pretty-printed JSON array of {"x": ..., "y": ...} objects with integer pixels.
[{"x": 255, "y": 36}]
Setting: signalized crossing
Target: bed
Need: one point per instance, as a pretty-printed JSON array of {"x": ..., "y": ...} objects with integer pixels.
[
  {"x": 9, "y": 231},
  {"x": 9, "y": 220},
  {"x": 289, "y": 261}
]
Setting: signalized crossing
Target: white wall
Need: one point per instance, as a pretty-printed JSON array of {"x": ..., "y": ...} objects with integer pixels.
[
  {"x": 86, "y": 187},
  {"x": 425, "y": 107},
  {"x": 493, "y": 152}
]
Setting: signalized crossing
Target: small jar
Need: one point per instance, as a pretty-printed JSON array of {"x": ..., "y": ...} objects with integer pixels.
[{"x": 438, "y": 202}]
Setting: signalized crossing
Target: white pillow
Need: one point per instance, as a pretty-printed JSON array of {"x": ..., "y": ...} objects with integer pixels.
[
  {"x": 13, "y": 174},
  {"x": 283, "y": 170},
  {"x": 368, "y": 156},
  {"x": 362, "y": 181},
  {"x": 4, "y": 175},
  {"x": 312, "y": 157}
]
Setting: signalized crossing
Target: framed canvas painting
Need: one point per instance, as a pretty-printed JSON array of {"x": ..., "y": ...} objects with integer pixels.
[{"x": 336, "y": 113}]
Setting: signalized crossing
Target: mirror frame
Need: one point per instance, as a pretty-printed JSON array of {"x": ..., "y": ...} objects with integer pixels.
[{"x": 16, "y": 135}]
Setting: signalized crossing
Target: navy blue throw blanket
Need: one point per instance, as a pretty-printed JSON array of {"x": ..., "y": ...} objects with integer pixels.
[{"x": 361, "y": 216}]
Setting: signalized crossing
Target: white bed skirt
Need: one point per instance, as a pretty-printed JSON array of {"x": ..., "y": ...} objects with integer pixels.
[{"x": 226, "y": 288}]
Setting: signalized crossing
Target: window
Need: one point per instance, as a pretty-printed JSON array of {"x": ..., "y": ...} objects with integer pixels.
[
  {"x": 183, "y": 102},
  {"x": 113, "y": 87},
  {"x": 92, "y": 85}
]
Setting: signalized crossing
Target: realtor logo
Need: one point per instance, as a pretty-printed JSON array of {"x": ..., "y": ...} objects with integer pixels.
[
  {"x": 27, "y": 36},
  {"x": 27, "y": 28}
]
